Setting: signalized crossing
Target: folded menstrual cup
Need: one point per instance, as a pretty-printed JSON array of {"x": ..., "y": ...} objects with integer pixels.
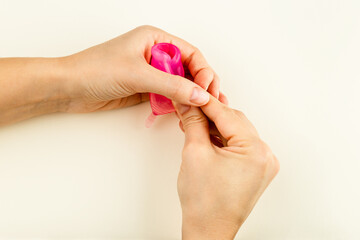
[{"x": 167, "y": 58}]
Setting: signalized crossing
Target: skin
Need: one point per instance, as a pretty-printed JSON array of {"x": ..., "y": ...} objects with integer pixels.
[
  {"x": 225, "y": 169},
  {"x": 110, "y": 75},
  {"x": 225, "y": 166}
]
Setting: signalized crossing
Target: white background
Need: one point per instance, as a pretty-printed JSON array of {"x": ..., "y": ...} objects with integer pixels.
[{"x": 292, "y": 66}]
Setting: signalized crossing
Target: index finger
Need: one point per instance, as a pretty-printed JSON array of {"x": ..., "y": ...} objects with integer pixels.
[
  {"x": 230, "y": 123},
  {"x": 199, "y": 68}
]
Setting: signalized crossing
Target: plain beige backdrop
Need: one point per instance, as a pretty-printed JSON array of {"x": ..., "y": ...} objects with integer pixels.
[{"x": 292, "y": 66}]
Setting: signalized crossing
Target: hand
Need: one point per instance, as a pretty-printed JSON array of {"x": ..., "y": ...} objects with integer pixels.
[
  {"x": 117, "y": 73},
  {"x": 223, "y": 175},
  {"x": 110, "y": 75}
]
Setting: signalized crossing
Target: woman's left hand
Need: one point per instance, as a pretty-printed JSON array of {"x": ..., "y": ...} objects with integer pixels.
[{"x": 117, "y": 73}]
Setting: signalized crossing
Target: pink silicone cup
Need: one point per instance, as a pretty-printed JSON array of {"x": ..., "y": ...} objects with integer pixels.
[{"x": 167, "y": 58}]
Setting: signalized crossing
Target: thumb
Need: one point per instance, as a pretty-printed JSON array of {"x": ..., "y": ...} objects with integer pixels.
[
  {"x": 195, "y": 124},
  {"x": 176, "y": 88}
]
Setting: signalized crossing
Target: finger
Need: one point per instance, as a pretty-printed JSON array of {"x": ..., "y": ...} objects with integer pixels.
[
  {"x": 216, "y": 134},
  {"x": 223, "y": 99},
  {"x": 204, "y": 77},
  {"x": 194, "y": 123},
  {"x": 181, "y": 126},
  {"x": 192, "y": 59},
  {"x": 174, "y": 87},
  {"x": 214, "y": 88},
  {"x": 188, "y": 74},
  {"x": 217, "y": 141},
  {"x": 177, "y": 115},
  {"x": 229, "y": 122},
  {"x": 201, "y": 71}
]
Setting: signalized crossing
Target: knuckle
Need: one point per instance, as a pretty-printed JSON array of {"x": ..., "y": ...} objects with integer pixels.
[
  {"x": 239, "y": 113},
  {"x": 193, "y": 119},
  {"x": 226, "y": 109},
  {"x": 207, "y": 71},
  {"x": 196, "y": 50},
  {"x": 217, "y": 78},
  {"x": 276, "y": 165},
  {"x": 204, "y": 77},
  {"x": 265, "y": 160},
  {"x": 210, "y": 73},
  {"x": 266, "y": 151},
  {"x": 229, "y": 111},
  {"x": 262, "y": 152},
  {"x": 147, "y": 28},
  {"x": 225, "y": 113}
]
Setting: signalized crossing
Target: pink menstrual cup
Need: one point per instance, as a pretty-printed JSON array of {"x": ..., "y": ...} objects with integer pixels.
[{"x": 167, "y": 58}]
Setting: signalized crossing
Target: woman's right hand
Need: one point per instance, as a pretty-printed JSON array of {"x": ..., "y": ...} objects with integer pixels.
[{"x": 221, "y": 177}]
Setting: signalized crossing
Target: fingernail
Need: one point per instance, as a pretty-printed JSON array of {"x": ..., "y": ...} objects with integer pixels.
[
  {"x": 199, "y": 96},
  {"x": 181, "y": 108}
]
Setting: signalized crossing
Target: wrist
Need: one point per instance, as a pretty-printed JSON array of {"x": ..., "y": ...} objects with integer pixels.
[
  {"x": 63, "y": 83},
  {"x": 210, "y": 229},
  {"x": 31, "y": 87},
  {"x": 51, "y": 79}
]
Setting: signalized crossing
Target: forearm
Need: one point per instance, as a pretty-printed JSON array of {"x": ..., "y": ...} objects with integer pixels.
[{"x": 30, "y": 87}]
